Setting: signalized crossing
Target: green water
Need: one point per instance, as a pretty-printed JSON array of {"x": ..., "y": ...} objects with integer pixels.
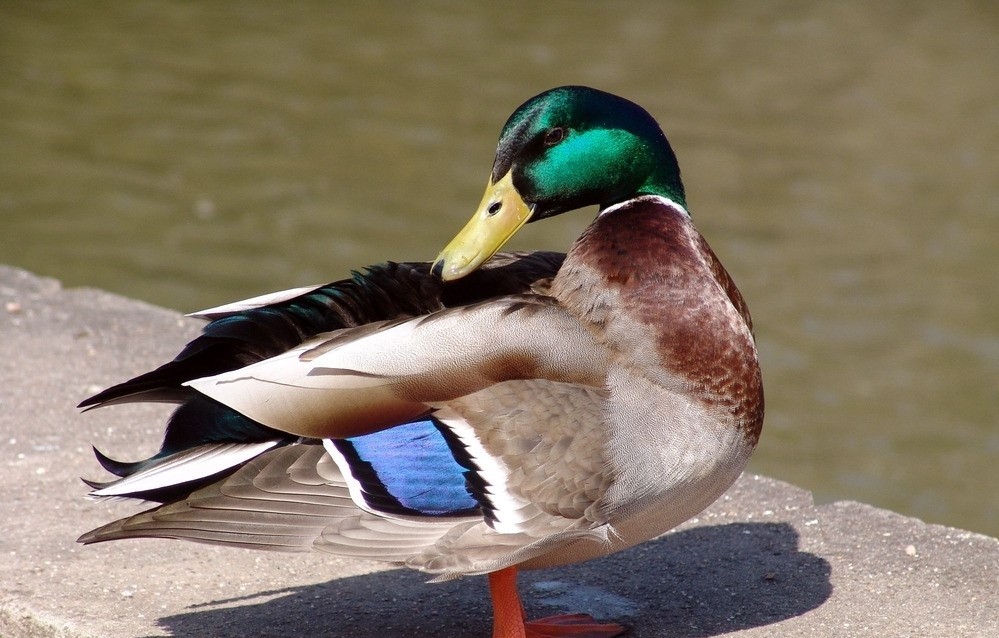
[{"x": 841, "y": 158}]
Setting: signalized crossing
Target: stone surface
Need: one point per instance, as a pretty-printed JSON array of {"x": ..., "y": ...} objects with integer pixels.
[{"x": 762, "y": 561}]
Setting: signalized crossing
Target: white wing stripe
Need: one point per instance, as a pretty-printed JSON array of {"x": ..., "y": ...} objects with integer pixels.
[
  {"x": 353, "y": 485},
  {"x": 507, "y": 508}
]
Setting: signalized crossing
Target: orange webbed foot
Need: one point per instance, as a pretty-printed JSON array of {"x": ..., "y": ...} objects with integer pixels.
[{"x": 509, "y": 622}]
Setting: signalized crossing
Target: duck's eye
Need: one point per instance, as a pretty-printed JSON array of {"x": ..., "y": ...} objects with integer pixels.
[{"x": 554, "y": 136}]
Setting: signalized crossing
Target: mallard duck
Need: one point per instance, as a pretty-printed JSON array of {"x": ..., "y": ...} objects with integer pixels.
[{"x": 484, "y": 413}]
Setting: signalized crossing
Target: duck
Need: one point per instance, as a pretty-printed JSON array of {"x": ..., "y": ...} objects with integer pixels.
[{"x": 482, "y": 414}]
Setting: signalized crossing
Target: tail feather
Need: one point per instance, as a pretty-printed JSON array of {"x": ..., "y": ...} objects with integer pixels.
[{"x": 118, "y": 468}]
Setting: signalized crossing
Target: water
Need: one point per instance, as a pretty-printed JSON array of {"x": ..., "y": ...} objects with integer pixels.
[{"x": 841, "y": 158}]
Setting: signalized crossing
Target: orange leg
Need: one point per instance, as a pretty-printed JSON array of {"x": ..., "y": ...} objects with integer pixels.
[{"x": 509, "y": 620}]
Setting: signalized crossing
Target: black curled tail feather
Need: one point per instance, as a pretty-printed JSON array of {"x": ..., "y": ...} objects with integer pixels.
[{"x": 199, "y": 421}]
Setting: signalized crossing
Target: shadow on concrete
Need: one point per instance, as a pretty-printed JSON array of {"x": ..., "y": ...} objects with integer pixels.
[{"x": 703, "y": 581}]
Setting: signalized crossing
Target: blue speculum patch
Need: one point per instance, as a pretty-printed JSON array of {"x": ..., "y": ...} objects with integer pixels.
[{"x": 409, "y": 469}]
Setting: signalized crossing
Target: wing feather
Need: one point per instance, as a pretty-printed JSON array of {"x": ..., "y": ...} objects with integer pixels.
[{"x": 355, "y": 382}]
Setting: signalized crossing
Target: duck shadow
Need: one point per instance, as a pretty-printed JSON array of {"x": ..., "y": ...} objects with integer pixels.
[{"x": 698, "y": 582}]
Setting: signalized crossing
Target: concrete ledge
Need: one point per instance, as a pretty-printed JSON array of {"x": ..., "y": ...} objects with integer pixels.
[{"x": 763, "y": 561}]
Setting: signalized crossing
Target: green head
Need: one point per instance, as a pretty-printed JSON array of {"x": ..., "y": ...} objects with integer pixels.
[
  {"x": 575, "y": 146},
  {"x": 567, "y": 148}
]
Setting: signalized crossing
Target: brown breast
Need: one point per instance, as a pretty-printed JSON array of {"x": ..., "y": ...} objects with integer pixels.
[{"x": 653, "y": 291}]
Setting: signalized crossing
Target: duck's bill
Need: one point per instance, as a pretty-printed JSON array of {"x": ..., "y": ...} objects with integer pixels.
[{"x": 500, "y": 215}]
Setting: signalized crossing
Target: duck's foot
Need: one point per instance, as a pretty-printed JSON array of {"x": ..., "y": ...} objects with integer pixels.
[
  {"x": 572, "y": 626},
  {"x": 509, "y": 622}
]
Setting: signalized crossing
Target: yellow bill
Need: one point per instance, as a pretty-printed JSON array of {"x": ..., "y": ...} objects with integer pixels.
[{"x": 500, "y": 215}]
